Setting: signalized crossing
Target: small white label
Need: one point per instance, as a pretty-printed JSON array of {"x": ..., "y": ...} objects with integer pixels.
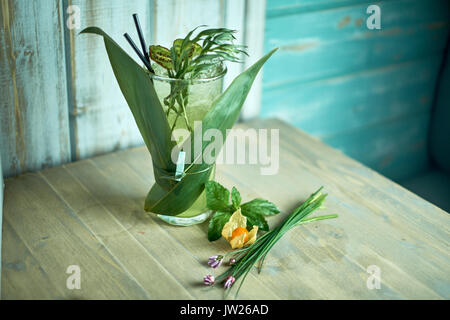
[{"x": 180, "y": 165}]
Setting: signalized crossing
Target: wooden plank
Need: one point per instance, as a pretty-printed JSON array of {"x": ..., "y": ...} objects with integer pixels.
[
  {"x": 311, "y": 252},
  {"x": 380, "y": 223},
  {"x": 55, "y": 238},
  {"x": 172, "y": 243},
  {"x": 100, "y": 118},
  {"x": 300, "y": 253},
  {"x": 174, "y": 18},
  {"x": 305, "y": 287},
  {"x": 333, "y": 77},
  {"x": 385, "y": 224},
  {"x": 235, "y": 20},
  {"x": 337, "y": 162},
  {"x": 139, "y": 161},
  {"x": 367, "y": 114},
  {"x": 109, "y": 217},
  {"x": 254, "y": 40},
  {"x": 396, "y": 148},
  {"x": 322, "y": 263},
  {"x": 339, "y": 104},
  {"x": 23, "y": 277},
  {"x": 33, "y": 109},
  {"x": 319, "y": 44},
  {"x": 121, "y": 226},
  {"x": 284, "y": 7}
]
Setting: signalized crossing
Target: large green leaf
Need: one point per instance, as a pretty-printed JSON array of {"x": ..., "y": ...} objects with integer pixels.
[
  {"x": 138, "y": 90},
  {"x": 222, "y": 116},
  {"x": 167, "y": 196}
]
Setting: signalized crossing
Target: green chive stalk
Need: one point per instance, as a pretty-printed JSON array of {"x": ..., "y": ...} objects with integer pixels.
[{"x": 255, "y": 254}]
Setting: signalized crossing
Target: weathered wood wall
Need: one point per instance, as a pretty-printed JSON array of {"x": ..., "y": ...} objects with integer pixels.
[
  {"x": 60, "y": 100},
  {"x": 366, "y": 92},
  {"x": 100, "y": 119},
  {"x": 34, "y": 120}
]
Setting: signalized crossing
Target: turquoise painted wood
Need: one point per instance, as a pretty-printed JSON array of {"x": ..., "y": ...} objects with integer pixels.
[
  {"x": 440, "y": 124},
  {"x": 353, "y": 87},
  {"x": 340, "y": 104},
  {"x": 34, "y": 122},
  {"x": 283, "y": 7},
  {"x": 396, "y": 148},
  {"x": 321, "y": 44}
]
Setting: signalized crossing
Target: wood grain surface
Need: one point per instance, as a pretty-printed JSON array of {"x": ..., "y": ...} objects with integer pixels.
[{"x": 90, "y": 213}]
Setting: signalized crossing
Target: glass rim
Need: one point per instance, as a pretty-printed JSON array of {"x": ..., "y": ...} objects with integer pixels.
[{"x": 191, "y": 81}]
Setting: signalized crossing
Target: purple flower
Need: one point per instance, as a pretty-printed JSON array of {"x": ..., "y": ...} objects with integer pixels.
[
  {"x": 215, "y": 261},
  {"x": 208, "y": 280},
  {"x": 229, "y": 282}
]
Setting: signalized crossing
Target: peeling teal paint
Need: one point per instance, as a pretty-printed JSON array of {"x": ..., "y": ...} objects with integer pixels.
[{"x": 366, "y": 92}]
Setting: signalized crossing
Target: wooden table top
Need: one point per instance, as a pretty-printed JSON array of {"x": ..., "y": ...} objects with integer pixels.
[{"x": 90, "y": 213}]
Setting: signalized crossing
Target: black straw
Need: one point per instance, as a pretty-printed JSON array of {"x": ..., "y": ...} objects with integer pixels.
[
  {"x": 133, "y": 45},
  {"x": 141, "y": 37}
]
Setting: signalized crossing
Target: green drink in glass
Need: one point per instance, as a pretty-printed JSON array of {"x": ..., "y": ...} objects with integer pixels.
[
  {"x": 185, "y": 103},
  {"x": 183, "y": 91}
]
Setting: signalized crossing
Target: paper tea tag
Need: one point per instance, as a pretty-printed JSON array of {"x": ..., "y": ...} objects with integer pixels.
[{"x": 180, "y": 166}]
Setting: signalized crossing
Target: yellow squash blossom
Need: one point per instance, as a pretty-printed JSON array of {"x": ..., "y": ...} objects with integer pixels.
[{"x": 236, "y": 233}]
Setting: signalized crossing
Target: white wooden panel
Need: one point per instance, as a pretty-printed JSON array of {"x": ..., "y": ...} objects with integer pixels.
[
  {"x": 254, "y": 39},
  {"x": 175, "y": 18},
  {"x": 235, "y": 20},
  {"x": 101, "y": 119},
  {"x": 34, "y": 121}
]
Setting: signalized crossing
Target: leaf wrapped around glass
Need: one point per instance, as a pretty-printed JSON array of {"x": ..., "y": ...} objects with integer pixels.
[
  {"x": 162, "y": 104},
  {"x": 185, "y": 103}
]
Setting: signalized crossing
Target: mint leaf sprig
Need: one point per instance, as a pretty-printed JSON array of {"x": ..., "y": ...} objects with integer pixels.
[{"x": 218, "y": 199}]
